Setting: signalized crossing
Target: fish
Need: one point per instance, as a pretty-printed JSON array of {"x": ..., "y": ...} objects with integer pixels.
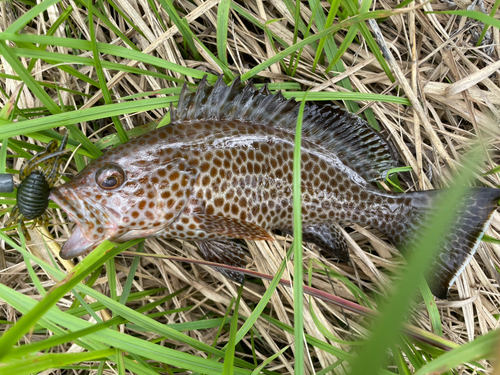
[{"x": 222, "y": 171}]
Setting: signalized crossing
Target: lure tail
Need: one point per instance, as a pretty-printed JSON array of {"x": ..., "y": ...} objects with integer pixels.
[{"x": 459, "y": 245}]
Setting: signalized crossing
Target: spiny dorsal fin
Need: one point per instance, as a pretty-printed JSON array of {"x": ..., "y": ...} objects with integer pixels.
[{"x": 356, "y": 143}]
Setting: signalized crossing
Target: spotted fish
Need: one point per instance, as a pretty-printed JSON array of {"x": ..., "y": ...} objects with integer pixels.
[{"x": 222, "y": 170}]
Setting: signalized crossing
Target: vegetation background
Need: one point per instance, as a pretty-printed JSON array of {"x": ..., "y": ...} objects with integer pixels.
[{"x": 426, "y": 74}]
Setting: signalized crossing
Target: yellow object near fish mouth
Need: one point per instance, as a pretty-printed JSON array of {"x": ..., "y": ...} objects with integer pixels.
[{"x": 222, "y": 170}]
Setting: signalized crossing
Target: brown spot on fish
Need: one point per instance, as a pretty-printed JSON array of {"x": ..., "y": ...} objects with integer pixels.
[
  {"x": 205, "y": 181},
  {"x": 219, "y": 202}
]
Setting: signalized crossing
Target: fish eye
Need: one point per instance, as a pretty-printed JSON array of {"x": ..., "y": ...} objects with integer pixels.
[{"x": 110, "y": 177}]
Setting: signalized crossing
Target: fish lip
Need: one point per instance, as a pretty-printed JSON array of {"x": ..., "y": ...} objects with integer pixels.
[{"x": 78, "y": 243}]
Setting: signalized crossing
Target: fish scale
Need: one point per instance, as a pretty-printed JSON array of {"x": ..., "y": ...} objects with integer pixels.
[{"x": 222, "y": 170}]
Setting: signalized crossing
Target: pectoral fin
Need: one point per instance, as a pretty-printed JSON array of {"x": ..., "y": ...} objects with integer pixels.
[
  {"x": 328, "y": 237},
  {"x": 225, "y": 252},
  {"x": 232, "y": 228}
]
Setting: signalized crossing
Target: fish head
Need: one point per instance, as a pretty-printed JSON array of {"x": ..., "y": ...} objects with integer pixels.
[{"x": 120, "y": 199}]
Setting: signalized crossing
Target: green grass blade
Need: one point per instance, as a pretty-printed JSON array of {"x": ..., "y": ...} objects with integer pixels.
[
  {"x": 90, "y": 282},
  {"x": 125, "y": 17},
  {"x": 334, "y": 7},
  {"x": 43, "y": 362},
  {"x": 351, "y": 34},
  {"x": 269, "y": 360},
  {"x": 9, "y": 338},
  {"x": 474, "y": 14},
  {"x": 56, "y": 58},
  {"x": 493, "y": 10},
  {"x": 118, "y": 340},
  {"x": 3, "y": 155},
  {"x": 227, "y": 72},
  {"x": 231, "y": 345},
  {"x": 46, "y": 135},
  {"x": 22, "y": 72},
  {"x": 107, "y": 22},
  {"x": 109, "y": 49},
  {"x": 60, "y": 20},
  {"x": 296, "y": 16},
  {"x": 242, "y": 12},
  {"x": 357, "y": 19},
  {"x": 485, "y": 346},
  {"x": 257, "y": 311},
  {"x": 102, "y": 79},
  {"x": 33, "y": 276},
  {"x": 298, "y": 286},
  {"x": 118, "y": 308},
  {"x": 75, "y": 335},
  {"x": 414, "y": 356},
  {"x": 331, "y": 48},
  {"x": 372, "y": 44},
  {"x": 222, "y": 25},
  {"x": 27, "y": 17},
  {"x": 130, "y": 277},
  {"x": 491, "y": 171},
  {"x": 111, "y": 276},
  {"x": 312, "y": 340},
  {"x": 88, "y": 114},
  {"x": 432, "y": 309},
  {"x": 400, "y": 361},
  {"x": 224, "y": 320},
  {"x": 490, "y": 239},
  {"x": 309, "y": 25},
  {"x": 182, "y": 26},
  {"x": 302, "y": 26},
  {"x": 120, "y": 363},
  {"x": 346, "y": 96}
]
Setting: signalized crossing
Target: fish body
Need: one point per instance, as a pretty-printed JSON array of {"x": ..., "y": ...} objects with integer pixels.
[{"x": 223, "y": 170}]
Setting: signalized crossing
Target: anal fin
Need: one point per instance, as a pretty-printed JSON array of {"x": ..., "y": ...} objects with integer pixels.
[
  {"x": 225, "y": 252},
  {"x": 328, "y": 237}
]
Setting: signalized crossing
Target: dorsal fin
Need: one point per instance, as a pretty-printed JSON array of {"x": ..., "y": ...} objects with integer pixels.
[{"x": 354, "y": 142}]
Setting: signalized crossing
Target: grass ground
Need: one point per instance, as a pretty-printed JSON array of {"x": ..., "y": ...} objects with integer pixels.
[{"x": 108, "y": 70}]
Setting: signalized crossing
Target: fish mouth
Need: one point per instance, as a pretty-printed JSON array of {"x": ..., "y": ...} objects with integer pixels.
[{"x": 93, "y": 225}]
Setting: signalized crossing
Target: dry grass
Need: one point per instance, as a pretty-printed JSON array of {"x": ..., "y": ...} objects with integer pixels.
[{"x": 454, "y": 89}]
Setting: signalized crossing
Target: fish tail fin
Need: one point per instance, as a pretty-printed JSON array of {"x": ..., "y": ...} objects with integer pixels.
[{"x": 459, "y": 245}]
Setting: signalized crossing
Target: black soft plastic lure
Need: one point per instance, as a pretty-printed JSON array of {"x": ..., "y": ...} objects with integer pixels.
[{"x": 36, "y": 182}]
